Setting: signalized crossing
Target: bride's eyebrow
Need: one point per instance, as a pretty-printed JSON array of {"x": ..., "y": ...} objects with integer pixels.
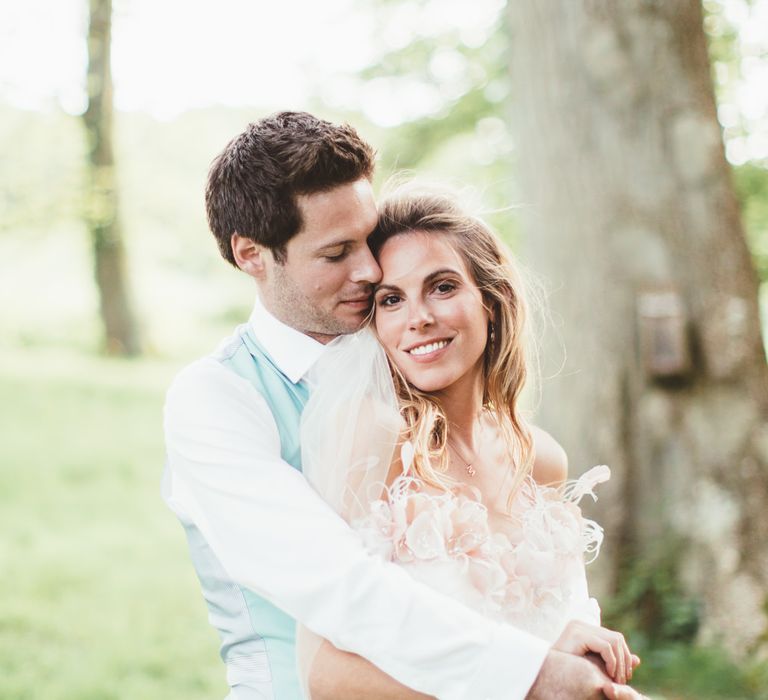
[
  {"x": 432, "y": 276},
  {"x": 389, "y": 287}
]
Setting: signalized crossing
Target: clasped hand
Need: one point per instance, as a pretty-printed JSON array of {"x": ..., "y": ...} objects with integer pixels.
[{"x": 581, "y": 639}]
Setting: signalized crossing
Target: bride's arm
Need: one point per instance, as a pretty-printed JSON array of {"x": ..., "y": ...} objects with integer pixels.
[
  {"x": 339, "y": 675},
  {"x": 550, "y": 463}
]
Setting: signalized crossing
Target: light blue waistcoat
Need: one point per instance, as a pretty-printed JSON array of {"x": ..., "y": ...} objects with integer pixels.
[{"x": 257, "y": 639}]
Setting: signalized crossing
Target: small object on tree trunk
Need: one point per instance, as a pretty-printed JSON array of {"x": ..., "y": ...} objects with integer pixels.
[{"x": 662, "y": 322}]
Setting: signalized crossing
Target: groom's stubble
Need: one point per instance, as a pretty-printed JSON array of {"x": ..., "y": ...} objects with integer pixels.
[
  {"x": 300, "y": 311},
  {"x": 323, "y": 284}
]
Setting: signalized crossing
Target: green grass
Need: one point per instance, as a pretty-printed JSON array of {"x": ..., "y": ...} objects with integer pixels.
[{"x": 98, "y": 597}]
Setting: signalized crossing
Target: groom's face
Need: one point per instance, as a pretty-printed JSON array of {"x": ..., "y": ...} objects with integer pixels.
[{"x": 324, "y": 286}]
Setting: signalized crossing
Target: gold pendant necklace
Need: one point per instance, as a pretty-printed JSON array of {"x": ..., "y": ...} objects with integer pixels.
[{"x": 468, "y": 468}]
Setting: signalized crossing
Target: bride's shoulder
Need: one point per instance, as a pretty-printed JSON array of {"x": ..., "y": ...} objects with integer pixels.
[{"x": 550, "y": 462}]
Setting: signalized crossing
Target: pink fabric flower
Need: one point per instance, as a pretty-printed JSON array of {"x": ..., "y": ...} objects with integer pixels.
[{"x": 524, "y": 569}]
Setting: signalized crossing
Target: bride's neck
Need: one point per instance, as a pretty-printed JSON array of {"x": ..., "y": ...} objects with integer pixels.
[{"x": 462, "y": 403}]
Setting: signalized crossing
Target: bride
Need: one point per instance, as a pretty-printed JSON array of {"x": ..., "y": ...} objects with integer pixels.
[{"x": 433, "y": 463}]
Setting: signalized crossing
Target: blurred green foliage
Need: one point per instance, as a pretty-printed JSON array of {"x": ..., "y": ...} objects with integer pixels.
[
  {"x": 661, "y": 625},
  {"x": 651, "y": 605},
  {"x": 752, "y": 187},
  {"x": 466, "y": 140}
]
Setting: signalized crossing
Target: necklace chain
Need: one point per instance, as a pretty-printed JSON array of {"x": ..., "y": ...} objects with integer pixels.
[{"x": 468, "y": 468}]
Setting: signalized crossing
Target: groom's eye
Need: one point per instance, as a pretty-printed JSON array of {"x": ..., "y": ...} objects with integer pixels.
[{"x": 335, "y": 254}]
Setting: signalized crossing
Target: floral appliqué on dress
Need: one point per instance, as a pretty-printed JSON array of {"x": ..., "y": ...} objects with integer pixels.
[{"x": 528, "y": 572}]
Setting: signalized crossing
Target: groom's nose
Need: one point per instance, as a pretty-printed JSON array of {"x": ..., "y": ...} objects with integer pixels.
[{"x": 366, "y": 269}]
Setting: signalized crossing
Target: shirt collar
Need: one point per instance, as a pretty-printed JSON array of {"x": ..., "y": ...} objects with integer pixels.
[{"x": 292, "y": 351}]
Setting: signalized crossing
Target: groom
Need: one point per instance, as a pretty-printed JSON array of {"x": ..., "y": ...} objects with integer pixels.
[{"x": 290, "y": 204}]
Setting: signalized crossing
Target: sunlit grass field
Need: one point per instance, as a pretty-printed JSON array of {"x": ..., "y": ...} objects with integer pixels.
[
  {"x": 98, "y": 597},
  {"x": 99, "y": 600}
]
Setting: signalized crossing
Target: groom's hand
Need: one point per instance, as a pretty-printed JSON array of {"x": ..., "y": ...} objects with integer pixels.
[{"x": 568, "y": 677}]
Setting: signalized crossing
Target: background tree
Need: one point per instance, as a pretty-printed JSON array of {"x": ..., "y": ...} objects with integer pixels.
[
  {"x": 101, "y": 210},
  {"x": 633, "y": 218}
]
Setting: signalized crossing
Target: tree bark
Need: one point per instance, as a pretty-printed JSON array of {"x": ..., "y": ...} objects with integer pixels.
[
  {"x": 631, "y": 215},
  {"x": 101, "y": 210}
]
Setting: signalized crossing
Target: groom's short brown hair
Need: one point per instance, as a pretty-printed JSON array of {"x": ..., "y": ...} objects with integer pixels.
[{"x": 253, "y": 183}]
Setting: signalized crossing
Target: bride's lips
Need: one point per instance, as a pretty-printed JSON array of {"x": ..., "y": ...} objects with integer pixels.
[{"x": 430, "y": 355}]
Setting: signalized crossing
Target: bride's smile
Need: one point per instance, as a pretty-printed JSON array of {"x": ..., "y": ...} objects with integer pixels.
[{"x": 430, "y": 315}]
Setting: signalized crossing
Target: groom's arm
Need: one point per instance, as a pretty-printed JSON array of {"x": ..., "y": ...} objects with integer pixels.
[
  {"x": 338, "y": 675},
  {"x": 273, "y": 534}
]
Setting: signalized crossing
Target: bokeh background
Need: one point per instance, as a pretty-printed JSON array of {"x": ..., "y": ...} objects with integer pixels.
[{"x": 548, "y": 114}]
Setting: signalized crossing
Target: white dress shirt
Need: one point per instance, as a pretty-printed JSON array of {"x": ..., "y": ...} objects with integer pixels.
[{"x": 274, "y": 535}]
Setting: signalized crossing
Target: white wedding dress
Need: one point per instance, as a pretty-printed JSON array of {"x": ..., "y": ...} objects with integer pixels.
[{"x": 525, "y": 567}]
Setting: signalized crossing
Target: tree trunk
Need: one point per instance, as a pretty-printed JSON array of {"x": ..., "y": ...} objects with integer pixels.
[
  {"x": 102, "y": 214},
  {"x": 631, "y": 216}
]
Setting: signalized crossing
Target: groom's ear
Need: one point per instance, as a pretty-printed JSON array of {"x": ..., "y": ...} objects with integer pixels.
[{"x": 249, "y": 255}]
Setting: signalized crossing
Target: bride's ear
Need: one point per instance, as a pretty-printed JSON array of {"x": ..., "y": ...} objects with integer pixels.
[
  {"x": 249, "y": 255},
  {"x": 490, "y": 309}
]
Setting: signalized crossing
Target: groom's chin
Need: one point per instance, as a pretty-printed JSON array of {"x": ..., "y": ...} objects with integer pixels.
[
  {"x": 355, "y": 325},
  {"x": 353, "y": 316}
]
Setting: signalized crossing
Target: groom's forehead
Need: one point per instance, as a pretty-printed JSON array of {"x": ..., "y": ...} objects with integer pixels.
[{"x": 348, "y": 208}]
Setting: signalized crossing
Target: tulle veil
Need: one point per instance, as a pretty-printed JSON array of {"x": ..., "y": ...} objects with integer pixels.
[{"x": 349, "y": 432}]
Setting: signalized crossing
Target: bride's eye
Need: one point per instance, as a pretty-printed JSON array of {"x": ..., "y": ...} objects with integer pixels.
[
  {"x": 445, "y": 287},
  {"x": 388, "y": 300}
]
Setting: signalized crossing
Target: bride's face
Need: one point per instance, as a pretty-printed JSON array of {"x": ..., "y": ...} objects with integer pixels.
[{"x": 429, "y": 312}]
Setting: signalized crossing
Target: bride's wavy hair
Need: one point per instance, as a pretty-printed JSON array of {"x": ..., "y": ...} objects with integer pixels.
[{"x": 408, "y": 210}]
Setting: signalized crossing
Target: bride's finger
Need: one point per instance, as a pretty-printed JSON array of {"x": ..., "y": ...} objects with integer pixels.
[
  {"x": 627, "y": 660},
  {"x": 622, "y": 654},
  {"x": 603, "y": 647},
  {"x": 628, "y": 665},
  {"x": 620, "y": 650},
  {"x": 621, "y": 672},
  {"x": 624, "y": 657}
]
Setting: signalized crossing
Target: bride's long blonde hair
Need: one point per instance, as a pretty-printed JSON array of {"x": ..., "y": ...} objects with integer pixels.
[{"x": 504, "y": 367}]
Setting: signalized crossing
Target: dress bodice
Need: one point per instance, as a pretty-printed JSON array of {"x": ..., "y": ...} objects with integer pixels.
[{"x": 524, "y": 566}]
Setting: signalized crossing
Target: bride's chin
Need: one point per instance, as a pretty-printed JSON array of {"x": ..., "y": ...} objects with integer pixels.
[{"x": 428, "y": 386}]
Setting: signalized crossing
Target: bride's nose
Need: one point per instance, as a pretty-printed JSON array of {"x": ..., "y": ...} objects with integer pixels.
[{"x": 419, "y": 316}]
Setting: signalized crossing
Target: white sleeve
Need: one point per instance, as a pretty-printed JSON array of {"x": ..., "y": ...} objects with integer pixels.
[
  {"x": 274, "y": 535},
  {"x": 582, "y": 606}
]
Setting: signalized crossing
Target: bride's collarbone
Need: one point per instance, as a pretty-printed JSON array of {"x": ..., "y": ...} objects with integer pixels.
[{"x": 491, "y": 475}]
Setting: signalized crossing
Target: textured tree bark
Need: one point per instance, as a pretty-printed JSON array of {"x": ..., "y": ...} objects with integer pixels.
[
  {"x": 631, "y": 217},
  {"x": 101, "y": 207}
]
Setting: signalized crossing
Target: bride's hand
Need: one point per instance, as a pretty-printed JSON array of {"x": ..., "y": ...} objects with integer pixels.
[{"x": 580, "y": 638}]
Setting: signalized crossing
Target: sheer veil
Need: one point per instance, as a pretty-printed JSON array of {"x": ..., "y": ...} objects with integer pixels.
[
  {"x": 349, "y": 432},
  {"x": 350, "y": 425}
]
